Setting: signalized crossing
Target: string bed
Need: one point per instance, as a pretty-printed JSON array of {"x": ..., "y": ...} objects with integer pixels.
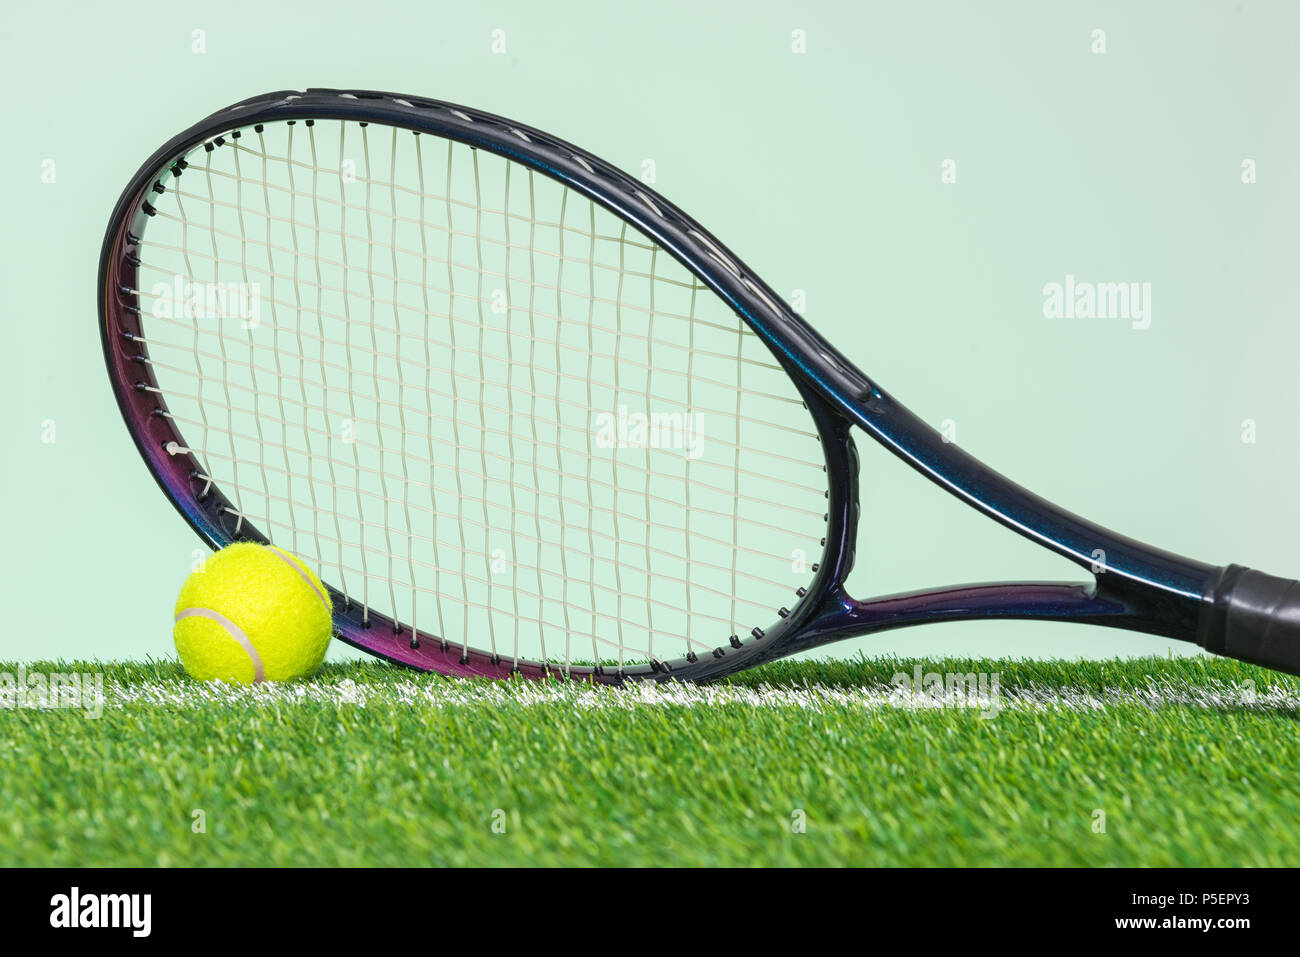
[{"x": 478, "y": 402}]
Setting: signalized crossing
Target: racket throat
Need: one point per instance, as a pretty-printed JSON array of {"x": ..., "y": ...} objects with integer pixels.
[{"x": 842, "y": 616}]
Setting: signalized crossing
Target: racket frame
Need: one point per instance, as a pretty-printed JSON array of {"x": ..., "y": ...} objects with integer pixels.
[{"x": 1137, "y": 587}]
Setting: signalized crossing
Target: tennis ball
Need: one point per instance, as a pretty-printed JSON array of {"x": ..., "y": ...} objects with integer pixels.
[{"x": 253, "y": 613}]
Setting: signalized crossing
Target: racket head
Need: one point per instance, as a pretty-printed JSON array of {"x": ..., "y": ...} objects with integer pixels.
[{"x": 817, "y": 375}]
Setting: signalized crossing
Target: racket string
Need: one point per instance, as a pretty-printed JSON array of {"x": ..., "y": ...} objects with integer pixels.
[
  {"x": 509, "y": 333},
  {"x": 597, "y": 236},
  {"x": 540, "y": 399},
  {"x": 792, "y": 506},
  {"x": 800, "y": 463}
]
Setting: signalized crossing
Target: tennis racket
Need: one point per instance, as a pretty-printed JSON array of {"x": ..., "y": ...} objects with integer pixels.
[{"x": 526, "y": 416}]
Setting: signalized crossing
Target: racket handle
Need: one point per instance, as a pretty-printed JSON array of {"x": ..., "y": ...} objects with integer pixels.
[{"x": 1254, "y": 617}]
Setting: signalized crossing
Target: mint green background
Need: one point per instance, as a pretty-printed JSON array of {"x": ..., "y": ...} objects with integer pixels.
[{"x": 822, "y": 171}]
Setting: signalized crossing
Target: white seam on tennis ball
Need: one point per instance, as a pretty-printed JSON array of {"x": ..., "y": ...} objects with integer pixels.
[
  {"x": 293, "y": 563},
  {"x": 259, "y": 674}
]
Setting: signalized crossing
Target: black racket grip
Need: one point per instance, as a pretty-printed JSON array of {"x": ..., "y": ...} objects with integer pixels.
[{"x": 1255, "y": 617}]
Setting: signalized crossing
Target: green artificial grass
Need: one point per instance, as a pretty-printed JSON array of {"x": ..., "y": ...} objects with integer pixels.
[{"x": 1192, "y": 761}]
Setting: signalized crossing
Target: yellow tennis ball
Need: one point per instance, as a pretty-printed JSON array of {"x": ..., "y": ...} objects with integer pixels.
[{"x": 252, "y": 613}]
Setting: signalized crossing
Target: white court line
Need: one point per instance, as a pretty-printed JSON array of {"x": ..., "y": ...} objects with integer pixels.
[{"x": 438, "y": 693}]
